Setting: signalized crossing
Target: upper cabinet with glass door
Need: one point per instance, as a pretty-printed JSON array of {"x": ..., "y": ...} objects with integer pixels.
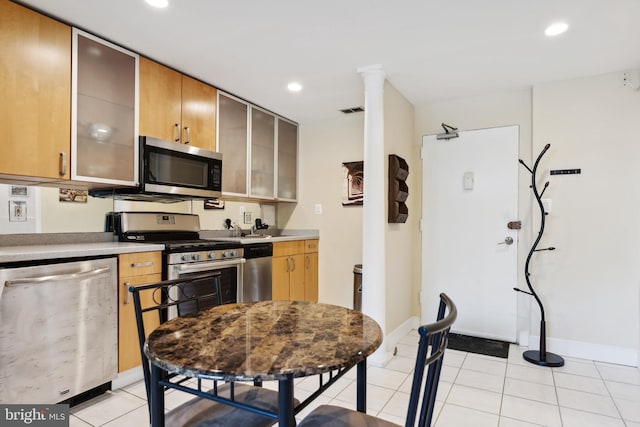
[
  {"x": 104, "y": 113},
  {"x": 263, "y": 143},
  {"x": 233, "y": 136},
  {"x": 259, "y": 151},
  {"x": 287, "y": 160}
]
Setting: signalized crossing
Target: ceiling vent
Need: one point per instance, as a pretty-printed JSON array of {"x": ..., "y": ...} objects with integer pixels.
[{"x": 353, "y": 110}]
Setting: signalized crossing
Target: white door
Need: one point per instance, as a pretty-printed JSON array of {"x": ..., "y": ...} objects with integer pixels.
[{"x": 470, "y": 194}]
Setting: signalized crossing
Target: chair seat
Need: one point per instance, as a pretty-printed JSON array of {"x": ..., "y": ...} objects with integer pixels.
[
  {"x": 199, "y": 412},
  {"x": 336, "y": 416}
]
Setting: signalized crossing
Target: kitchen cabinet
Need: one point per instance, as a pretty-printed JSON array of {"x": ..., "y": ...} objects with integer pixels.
[
  {"x": 233, "y": 137},
  {"x": 35, "y": 86},
  {"x": 134, "y": 269},
  {"x": 260, "y": 151},
  {"x": 104, "y": 129},
  {"x": 287, "y": 160},
  {"x": 263, "y": 132},
  {"x": 295, "y": 270},
  {"x": 176, "y": 107},
  {"x": 311, "y": 270}
]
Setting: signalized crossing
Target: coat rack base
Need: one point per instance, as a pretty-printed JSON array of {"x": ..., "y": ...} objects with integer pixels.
[{"x": 551, "y": 360}]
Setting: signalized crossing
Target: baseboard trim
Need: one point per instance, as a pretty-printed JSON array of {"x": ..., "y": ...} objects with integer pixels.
[
  {"x": 590, "y": 351},
  {"x": 387, "y": 349},
  {"x": 127, "y": 377}
]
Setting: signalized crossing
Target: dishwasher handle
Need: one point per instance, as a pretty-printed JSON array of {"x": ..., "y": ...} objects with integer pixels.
[{"x": 58, "y": 277}]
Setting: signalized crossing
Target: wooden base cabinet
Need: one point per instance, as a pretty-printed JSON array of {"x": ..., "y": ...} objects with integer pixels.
[
  {"x": 35, "y": 86},
  {"x": 134, "y": 269},
  {"x": 311, "y": 270},
  {"x": 295, "y": 270}
]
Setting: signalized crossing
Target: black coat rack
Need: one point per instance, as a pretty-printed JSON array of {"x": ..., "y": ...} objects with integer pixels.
[{"x": 539, "y": 357}]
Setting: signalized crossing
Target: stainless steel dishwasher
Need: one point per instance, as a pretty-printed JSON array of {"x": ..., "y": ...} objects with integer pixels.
[
  {"x": 58, "y": 329},
  {"x": 256, "y": 277}
]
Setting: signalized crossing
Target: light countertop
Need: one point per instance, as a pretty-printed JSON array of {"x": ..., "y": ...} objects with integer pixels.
[
  {"x": 71, "y": 250},
  {"x": 283, "y": 236}
]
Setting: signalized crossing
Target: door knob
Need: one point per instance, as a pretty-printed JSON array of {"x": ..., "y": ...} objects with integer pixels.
[{"x": 507, "y": 241}]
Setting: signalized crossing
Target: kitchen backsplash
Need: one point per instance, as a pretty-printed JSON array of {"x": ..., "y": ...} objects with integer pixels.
[{"x": 41, "y": 211}]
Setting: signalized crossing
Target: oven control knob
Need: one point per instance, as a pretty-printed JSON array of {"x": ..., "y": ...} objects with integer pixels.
[
  {"x": 196, "y": 257},
  {"x": 212, "y": 255},
  {"x": 229, "y": 254},
  {"x": 185, "y": 258}
]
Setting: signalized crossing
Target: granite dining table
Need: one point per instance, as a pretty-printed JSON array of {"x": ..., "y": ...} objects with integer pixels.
[{"x": 264, "y": 341}]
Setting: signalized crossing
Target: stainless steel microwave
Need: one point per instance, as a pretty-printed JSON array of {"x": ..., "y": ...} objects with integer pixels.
[
  {"x": 179, "y": 169},
  {"x": 169, "y": 171}
]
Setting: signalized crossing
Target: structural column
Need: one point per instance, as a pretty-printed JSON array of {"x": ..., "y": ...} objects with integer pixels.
[{"x": 373, "y": 217}]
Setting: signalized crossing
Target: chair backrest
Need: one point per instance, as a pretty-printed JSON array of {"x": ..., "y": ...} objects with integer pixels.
[
  {"x": 154, "y": 303},
  {"x": 436, "y": 337}
]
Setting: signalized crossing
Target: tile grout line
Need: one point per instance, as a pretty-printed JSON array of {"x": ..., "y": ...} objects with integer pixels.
[
  {"x": 610, "y": 395},
  {"x": 555, "y": 390}
]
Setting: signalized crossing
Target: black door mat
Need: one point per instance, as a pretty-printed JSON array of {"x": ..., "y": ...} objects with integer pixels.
[{"x": 479, "y": 345}]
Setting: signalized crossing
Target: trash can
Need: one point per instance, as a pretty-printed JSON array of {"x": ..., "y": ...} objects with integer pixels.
[{"x": 357, "y": 287}]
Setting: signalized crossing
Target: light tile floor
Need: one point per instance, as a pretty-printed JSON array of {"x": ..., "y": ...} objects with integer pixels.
[{"x": 474, "y": 390}]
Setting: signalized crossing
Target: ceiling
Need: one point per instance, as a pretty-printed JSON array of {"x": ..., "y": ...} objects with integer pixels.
[{"x": 430, "y": 50}]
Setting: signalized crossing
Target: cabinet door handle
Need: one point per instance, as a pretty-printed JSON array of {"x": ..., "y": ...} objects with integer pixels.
[
  {"x": 141, "y": 264},
  {"x": 307, "y": 262},
  {"x": 126, "y": 289},
  {"x": 63, "y": 163},
  {"x": 177, "y": 132},
  {"x": 288, "y": 264},
  {"x": 188, "y": 138},
  {"x": 294, "y": 264}
]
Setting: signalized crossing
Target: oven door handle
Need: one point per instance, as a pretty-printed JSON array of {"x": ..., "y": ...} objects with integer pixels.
[{"x": 206, "y": 266}]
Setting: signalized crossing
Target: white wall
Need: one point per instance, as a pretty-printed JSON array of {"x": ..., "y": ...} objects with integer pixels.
[
  {"x": 590, "y": 284},
  {"x": 402, "y": 240},
  {"x": 323, "y": 147}
]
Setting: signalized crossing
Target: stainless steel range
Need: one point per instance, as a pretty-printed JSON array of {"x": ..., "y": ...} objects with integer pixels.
[{"x": 185, "y": 253}]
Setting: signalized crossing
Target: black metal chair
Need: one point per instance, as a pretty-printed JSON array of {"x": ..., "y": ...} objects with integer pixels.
[
  {"x": 154, "y": 304},
  {"x": 433, "y": 336}
]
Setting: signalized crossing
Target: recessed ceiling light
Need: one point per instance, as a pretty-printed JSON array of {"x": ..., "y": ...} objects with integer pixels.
[
  {"x": 158, "y": 3},
  {"x": 294, "y": 87},
  {"x": 556, "y": 28}
]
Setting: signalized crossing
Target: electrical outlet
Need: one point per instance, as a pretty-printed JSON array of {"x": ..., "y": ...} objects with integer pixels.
[
  {"x": 17, "y": 210},
  {"x": 318, "y": 209},
  {"x": 247, "y": 217}
]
